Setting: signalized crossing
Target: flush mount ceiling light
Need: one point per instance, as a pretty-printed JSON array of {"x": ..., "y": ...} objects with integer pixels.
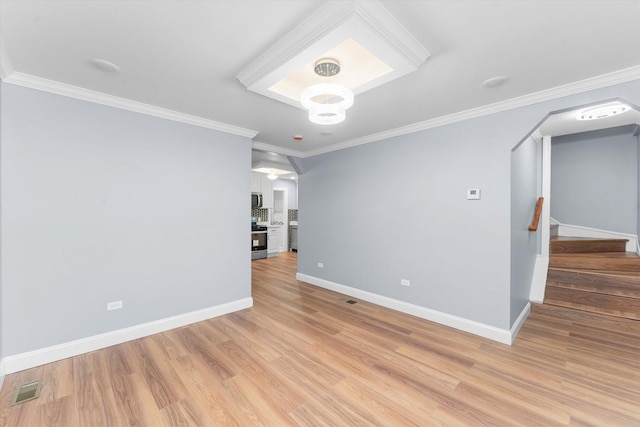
[
  {"x": 327, "y": 67},
  {"x": 327, "y": 102},
  {"x": 603, "y": 111},
  {"x": 271, "y": 175},
  {"x": 270, "y": 168}
]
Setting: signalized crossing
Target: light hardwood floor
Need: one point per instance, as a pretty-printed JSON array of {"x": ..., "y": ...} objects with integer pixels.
[{"x": 303, "y": 356}]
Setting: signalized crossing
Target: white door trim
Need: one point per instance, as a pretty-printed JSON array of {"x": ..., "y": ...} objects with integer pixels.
[{"x": 541, "y": 268}]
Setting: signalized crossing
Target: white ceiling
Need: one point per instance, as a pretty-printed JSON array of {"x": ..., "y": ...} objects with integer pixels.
[{"x": 184, "y": 56}]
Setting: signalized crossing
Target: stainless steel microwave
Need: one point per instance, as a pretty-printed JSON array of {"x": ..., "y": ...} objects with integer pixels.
[{"x": 256, "y": 200}]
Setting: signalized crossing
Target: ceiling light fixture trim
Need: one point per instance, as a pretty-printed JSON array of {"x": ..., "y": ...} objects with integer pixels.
[
  {"x": 327, "y": 115},
  {"x": 327, "y": 94},
  {"x": 327, "y": 67},
  {"x": 368, "y": 22},
  {"x": 327, "y": 102}
]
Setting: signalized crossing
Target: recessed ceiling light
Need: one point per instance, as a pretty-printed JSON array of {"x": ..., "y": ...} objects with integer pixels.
[
  {"x": 495, "y": 81},
  {"x": 603, "y": 111},
  {"x": 103, "y": 65}
]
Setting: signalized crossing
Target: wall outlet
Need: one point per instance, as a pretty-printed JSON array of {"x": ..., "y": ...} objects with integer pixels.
[
  {"x": 115, "y": 305},
  {"x": 473, "y": 194},
  {"x": 405, "y": 282},
  {"x": 320, "y": 265}
]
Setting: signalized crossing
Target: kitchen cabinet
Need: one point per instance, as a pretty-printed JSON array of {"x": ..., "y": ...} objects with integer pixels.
[
  {"x": 256, "y": 184},
  {"x": 261, "y": 184},
  {"x": 267, "y": 192},
  {"x": 273, "y": 241}
]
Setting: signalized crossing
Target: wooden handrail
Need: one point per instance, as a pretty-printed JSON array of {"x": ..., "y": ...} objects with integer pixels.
[{"x": 536, "y": 216}]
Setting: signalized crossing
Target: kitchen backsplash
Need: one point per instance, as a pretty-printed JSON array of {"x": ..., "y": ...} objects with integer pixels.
[{"x": 262, "y": 214}]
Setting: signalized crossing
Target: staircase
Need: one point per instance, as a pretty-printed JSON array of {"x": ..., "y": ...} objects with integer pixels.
[{"x": 594, "y": 275}]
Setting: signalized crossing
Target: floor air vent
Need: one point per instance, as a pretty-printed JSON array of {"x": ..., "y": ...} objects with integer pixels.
[
  {"x": 27, "y": 392},
  {"x": 351, "y": 301}
]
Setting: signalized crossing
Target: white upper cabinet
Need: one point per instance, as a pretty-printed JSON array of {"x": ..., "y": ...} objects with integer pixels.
[
  {"x": 267, "y": 192},
  {"x": 255, "y": 182},
  {"x": 261, "y": 184}
]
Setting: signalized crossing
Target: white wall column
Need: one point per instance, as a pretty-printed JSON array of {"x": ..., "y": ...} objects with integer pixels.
[{"x": 542, "y": 262}]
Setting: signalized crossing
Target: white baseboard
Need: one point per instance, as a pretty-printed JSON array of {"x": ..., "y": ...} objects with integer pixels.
[
  {"x": 519, "y": 322},
  {"x": 45, "y": 355},
  {"x": 579, "y": 231},
  {"x": 539, "y": 279},
  {"x": 501, "y": 335}
]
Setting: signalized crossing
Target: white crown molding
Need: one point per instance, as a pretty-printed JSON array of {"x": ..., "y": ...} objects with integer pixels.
[
  {"x": 88, "y": 95},
  {"x": 5, "y": 64},
  {"x": 54, "y": 353},
  {"x": 391, "y": 30},
  {"x": 326, "y": 19},
  {"x": 610, "y": 79},
  {"x": 256, "y": 145},
  {"x": 297, "y": 40}
]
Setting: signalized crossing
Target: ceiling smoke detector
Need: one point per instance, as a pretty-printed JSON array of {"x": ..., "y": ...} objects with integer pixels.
[{"x": 603, "y": 111}]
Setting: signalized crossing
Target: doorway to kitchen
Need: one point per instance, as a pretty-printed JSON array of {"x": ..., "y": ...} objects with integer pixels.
[{"x": 280, "y": 216}]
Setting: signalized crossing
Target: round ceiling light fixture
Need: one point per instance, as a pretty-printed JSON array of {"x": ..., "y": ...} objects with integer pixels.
[
  {"x": 327, "y": 102},
  {"x": 327, "y": 67},
  {"x": 327, "y": 94},
  {"x": 272, "y": 175},
  {"x": 104, "y": 65},
  {"x": 327, "y": 115},
  {"x": 495, "y": 81},
  {"x": 603, "y": 111}
]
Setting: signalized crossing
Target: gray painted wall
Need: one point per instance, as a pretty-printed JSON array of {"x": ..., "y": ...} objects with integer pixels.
[
  {"x": 636, "y": 133},
  {"x": 101, "y": 204},
  {"x": 525, "y": 190},
  {"x": 2, "y": 108},
  {"x": 594, "y": 179},
  {"x": 393, "y": 209}
]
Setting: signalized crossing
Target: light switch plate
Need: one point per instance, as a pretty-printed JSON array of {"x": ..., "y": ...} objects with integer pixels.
[{"x": 473, "y": 194}]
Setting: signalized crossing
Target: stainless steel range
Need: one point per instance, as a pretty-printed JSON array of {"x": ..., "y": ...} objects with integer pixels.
[{"x": 258, "y": 240}]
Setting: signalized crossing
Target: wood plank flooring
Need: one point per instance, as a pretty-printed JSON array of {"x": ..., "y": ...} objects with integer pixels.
[
  {"x": 303, "y": 357},
  {"x": 582, "y": 278}
]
